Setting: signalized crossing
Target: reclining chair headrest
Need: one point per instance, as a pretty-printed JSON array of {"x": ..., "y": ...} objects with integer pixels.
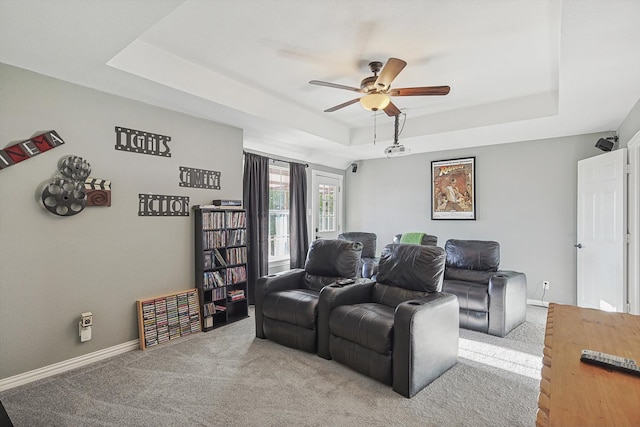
[
  {"x": 333, "y": 258},
  {"x": 368, "y": 240},
  {"x": 482, "y": 255},
  {"x": 427, "y": 239},
  {"x": 413, "y": 267}
]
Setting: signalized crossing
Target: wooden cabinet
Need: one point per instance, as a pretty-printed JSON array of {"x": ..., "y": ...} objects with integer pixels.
[
  {"x": 221, "y": 265},
  {"x": 573, "y": 393}
]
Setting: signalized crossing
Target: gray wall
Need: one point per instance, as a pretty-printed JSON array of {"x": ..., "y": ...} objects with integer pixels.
[
  {"x": 105, "y": 258},
  {"x": 526, "y": 200},
  {"x": 630, "y": 126}
]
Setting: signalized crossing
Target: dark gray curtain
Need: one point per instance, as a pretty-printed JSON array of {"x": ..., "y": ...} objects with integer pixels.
[
  {"x": 298, "y": 238},
  {"x": 256, "y": 203}
]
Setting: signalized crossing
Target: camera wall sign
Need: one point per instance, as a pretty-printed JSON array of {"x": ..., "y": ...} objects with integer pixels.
[{"x": 199, "y": 178}]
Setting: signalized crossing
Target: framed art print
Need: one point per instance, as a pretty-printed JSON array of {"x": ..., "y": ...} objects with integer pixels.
[{"x": 453, "y": 189}]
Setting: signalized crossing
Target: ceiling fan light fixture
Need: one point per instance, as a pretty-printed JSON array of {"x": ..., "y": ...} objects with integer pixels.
[{"x": 375, "y": 101}]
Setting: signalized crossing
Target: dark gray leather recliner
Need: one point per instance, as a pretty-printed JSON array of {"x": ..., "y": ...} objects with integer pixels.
[
  {"x": 369, "y": 262},
  {"x": 491, "y": 301},
  {"x": 286, "y": 303},
  {"x": 399, "y": 330}
]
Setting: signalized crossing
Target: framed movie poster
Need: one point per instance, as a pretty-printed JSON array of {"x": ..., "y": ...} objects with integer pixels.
[{"x": 453, "y": 189}]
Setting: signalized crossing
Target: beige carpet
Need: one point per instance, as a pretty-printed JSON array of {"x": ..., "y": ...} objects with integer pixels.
[{"x": 228, "y": 377}]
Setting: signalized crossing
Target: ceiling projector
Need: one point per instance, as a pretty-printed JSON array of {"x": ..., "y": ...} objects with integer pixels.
[{"x": 396, "y": 150}]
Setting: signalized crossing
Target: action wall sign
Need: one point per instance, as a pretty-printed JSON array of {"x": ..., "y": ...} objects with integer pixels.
[
  {"x": 162, "y": 205},
  {"x": 199, "y": 178},
  {"x": 138, "y": 141},
  {"x": 26, "y": 149}
]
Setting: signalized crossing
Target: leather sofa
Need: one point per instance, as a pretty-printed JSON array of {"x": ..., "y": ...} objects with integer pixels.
[
  {"x": 492, "y": 301},
  {"x": 368, "y": 262},
  {"x": 427, "y": 239},
  {"x": 286, "y": 303},
  {"x": 400, "y": 330}
]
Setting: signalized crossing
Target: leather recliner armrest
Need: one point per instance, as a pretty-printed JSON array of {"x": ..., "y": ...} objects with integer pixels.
[
  {"x": 332, "y": 296},
  {"x": 508, "y": 296},
  {"x": 290, "y": 279},
  {"x": 425, "y": 341}
]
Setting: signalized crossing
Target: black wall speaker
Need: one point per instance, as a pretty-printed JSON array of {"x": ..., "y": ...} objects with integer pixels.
[
  {"x": 354, "y": 167},
  {"x": 604, "y": 144}
]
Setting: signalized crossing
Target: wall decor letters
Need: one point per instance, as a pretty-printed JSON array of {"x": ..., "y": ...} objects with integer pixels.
[
  {"x": 162, "y": 205},
  {"x": 137, "y": 141},
  {"x": 199, "y": 178},
  {"x": 26, "y": 149}
]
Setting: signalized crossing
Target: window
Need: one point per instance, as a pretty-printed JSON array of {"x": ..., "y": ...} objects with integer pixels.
[{"x": 278, "y": 213}]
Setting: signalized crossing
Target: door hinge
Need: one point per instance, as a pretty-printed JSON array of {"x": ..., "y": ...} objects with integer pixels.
[
  {"x": 628, "y": 308},
  {"x": 627, "y": 238}
]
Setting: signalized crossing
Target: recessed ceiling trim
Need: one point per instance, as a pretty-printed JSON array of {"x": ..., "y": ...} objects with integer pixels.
[
  {"x": 496, "y": 113},
  {"x": 152, "y": 63}
]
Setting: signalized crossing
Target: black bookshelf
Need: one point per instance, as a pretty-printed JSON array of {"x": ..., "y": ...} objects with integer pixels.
[{"x": 221, "y": 264}]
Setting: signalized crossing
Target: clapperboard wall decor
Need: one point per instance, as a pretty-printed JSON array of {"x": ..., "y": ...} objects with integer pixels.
[
  {"x": 98, "y": 192},
  {"x": 162, "y": 205},
  {"x": 199, "y": 178}
]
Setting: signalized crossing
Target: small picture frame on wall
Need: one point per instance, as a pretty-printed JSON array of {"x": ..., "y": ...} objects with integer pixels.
[{"x": 453, "y": 189}]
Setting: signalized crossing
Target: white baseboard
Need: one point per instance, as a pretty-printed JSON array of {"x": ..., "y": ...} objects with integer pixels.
[
  {"x": 67, "y": 365},
  {"x": 538, "y": 302}
]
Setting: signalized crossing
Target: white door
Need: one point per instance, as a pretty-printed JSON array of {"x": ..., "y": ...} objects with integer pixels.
[
  {"x": 633, "y": 209},
  {"x": 326, "y": 204},
  {"x": 601, "y": 246}
]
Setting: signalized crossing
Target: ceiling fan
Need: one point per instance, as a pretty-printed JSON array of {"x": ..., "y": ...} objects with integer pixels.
[{"x": 377, "y": 88}]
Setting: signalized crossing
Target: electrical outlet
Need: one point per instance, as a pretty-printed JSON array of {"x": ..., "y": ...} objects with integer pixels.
[{"x": 545, "y": 284}]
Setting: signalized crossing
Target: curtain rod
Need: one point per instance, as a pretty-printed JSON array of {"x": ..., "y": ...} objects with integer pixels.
[{"x": 306, "y": 165}]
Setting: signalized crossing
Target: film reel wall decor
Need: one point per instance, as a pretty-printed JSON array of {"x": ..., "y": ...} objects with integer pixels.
[{"x": 72, "y": 189}]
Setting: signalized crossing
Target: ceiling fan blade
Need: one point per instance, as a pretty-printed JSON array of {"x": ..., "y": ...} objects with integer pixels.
[
  {"x": 420, "y": 91},
  {"x": 335, "y": 85},
  {"x": 392, "y": 110},
  {"x": 344, "y": 104},
  {"x": 389, "y": 72}
]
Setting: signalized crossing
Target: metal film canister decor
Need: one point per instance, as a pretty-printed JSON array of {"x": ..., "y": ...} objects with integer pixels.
[{"x": 66, "y": 195}]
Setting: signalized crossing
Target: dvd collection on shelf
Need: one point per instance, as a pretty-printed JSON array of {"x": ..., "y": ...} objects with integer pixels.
[
  {"x": 221, "y": 258},
  {"x": 236, "y": 294},
  {"x": 168, "y": 317},
  {"x": 219, "y": 220}
]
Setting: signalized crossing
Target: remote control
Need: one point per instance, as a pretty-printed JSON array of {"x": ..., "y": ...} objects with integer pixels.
[{"x": 610, "y": 362}]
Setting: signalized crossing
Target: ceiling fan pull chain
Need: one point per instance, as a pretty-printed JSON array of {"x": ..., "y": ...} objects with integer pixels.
[
  {"x": 395, "y": 129},
  {"x": 375, "y": 128}
]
